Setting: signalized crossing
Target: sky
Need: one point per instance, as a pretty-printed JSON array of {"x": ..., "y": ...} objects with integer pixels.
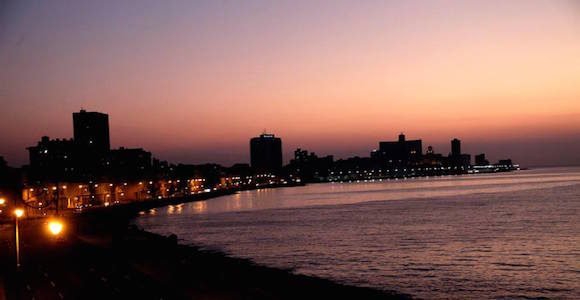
[{"x": 193, "y": 81}]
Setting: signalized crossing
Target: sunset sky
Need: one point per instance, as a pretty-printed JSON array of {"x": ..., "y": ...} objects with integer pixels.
[{"x": 193, "y": 81}]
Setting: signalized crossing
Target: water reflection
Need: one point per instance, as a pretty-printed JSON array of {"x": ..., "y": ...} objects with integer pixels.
[
  {"x": 506, "y": 236},
  {"x": 349, "y": 193},
  {"x": 198, "y": 207}
]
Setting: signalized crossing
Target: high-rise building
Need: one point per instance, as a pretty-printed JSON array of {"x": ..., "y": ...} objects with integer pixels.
[
  {"x": 91, "y": 132},
  {"x": 455, "y": 147},
  {"x": 266, "y": 153},
  {"x": 458, "y": 159}
]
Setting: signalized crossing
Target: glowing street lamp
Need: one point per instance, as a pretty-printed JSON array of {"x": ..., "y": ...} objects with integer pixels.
[
  {"x": 2, "y": 201},
  {"x": 55, "y": 227},
  {"x": 18, "y": 213}
]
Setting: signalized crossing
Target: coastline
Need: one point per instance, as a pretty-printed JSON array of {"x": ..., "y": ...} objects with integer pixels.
[{"x": 117, "y": 260}]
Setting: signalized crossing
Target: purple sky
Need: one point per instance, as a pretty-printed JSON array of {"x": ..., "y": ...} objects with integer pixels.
[{"x": 193, "y": 81}]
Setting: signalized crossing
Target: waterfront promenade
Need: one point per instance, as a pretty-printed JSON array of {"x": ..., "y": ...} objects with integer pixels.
[{"x": 99, "y": 256}]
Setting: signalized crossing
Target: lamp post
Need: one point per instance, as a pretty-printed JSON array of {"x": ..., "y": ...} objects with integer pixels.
[{"x": 18, "y": 213}]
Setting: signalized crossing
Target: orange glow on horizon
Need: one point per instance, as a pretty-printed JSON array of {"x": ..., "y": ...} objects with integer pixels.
[{"x": 204, "y": 79}]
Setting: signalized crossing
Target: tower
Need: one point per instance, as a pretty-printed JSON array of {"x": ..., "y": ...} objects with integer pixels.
[
  {"x": 266, "y": 153},
  {"x": 91, "y": 131},
  {"x": 401, "y": 137},
  {"x": 455, "y": 148},
  {"x": 91, "y": 139}
]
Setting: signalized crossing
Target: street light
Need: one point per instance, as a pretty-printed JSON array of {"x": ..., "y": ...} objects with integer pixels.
[
  {"x": 2, "y": 201},
  {"x": 55, "y": 227},
  {"x": 19, "y": 212}
]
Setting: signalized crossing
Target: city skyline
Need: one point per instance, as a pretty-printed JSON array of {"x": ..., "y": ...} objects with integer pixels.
[
  {"x": 90, "y": 145},
  {"x": 443, "y": 147},
  {"x": 192, "y": 82}
]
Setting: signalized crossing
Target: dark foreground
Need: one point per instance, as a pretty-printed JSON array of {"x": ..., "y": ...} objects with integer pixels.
[{"x": 101, "y": 256}]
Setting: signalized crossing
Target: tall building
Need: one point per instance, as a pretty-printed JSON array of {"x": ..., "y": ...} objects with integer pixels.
[
  {"x": 400, "y": 151},
  {"x": 458, "y": 159},
  {"x": 455, "y": 147},
  {"x": 91, "y": 132},
  {"x": 91, "y": 137},
  {"x": 266, "y": 153}
]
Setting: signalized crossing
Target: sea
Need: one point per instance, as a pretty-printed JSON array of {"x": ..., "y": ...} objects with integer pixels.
[{"x": 483, "y": 236}]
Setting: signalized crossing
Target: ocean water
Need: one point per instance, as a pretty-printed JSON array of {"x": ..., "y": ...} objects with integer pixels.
[{"x": 494, "y": 236}]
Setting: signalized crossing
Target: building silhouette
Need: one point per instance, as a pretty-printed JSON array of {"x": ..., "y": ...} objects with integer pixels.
[
  {"x": 91, "y": 131},
  {"x": 128, "y": 163},
  {"x": 434, "y": 159},
  {"x": 455, "y": 147},
  {"x": 91, "y": 137},
  {"x": 309, "y": 167},
  {"x": 88, "y": 159},
  {"x": 480, "y": 160},
  {"x": 506, "y": 163},
  {"x": 457, "y": 158},
  {"x": 10, "y": 184},
  {"x": 266, "y": 153},
  {"x": 401, "y": 151},
  {"x": 52, "y": 158}
]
